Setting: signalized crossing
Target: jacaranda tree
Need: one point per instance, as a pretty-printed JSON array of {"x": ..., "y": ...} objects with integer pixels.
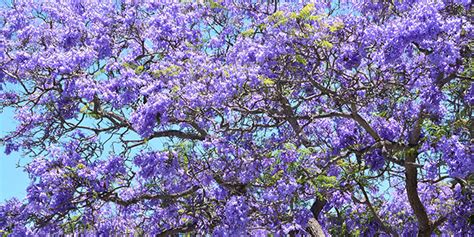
[{"x": 230, "y": 118}]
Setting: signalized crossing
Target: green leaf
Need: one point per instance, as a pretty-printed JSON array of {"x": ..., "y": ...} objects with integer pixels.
[
  {"x": 305, "y": 13},
  {"x": 185, "y": 162},
  {"x": 325, "y": 181},
  {"x": 336, "y": 26},
  {"x": 290, "y": 146},
  {"x": 279, "y": 18},
  {"x": 215, "y": 4},
  {"x": 268, "y": 81},
  {"x": 306, "y": 151},
  {"x": 172, "y": 70},
  {"x": 4, "y": 233},
  {"x": 94, "y": 115},
  {"x": 278, "y": 15},
  {"x": 248, "y": 32},
  {"x": 308, "y": 26},
  {"x": 282, "y": 22},
  {"x": 326, "y": 44},
  {"x": 175, "y": 89},
  {"x": 226, "y": 73},
  {"x": 317, "y": 17},
  {"x": 84, "y": 109},
  {"x": 129, "y": 65},
  {"x": 275, "y": 153},
  {"x": 139, "y": 69},
  {"x": 300, "y": 59},
  {"x": 382, "y": 114}
]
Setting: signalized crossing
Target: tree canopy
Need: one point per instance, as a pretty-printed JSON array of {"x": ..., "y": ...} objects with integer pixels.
[{"x": 348, "y": 118}]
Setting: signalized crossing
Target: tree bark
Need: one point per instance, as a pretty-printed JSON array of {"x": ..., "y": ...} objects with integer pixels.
[
  {"x": 314, "y": 228},
  {"x": 411, "y": 182}
]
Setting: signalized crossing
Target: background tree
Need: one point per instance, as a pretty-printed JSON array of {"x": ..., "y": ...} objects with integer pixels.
[{"x": 349, "y": 118}]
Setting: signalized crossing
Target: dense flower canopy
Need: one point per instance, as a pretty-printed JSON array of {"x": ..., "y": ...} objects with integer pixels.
[{"x": 226, "y": 118}]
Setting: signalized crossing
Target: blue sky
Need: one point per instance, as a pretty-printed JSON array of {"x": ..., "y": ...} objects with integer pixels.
[{"x": 13, "y": 181}]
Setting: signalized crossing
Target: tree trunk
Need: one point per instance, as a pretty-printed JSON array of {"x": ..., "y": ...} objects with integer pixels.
[
  {"x": 411, "y": 182},
  {"x": 314, "y": 228}
]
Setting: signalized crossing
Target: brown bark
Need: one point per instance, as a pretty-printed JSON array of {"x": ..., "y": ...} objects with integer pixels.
[
  {"x": 314, "y": 228},
  {"x": 411, "y": 182},
  {"x": 386, "y": 228}
]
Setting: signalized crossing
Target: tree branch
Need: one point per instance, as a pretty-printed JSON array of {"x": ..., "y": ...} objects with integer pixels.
[
  {"x": 179, "y": 230},
  {"x": 178, "y": 134},
  {"x": 386, "y": 228},
  {"x": 144, "y": 197}
]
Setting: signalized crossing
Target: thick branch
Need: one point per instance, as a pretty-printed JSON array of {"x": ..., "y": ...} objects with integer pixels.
[
  {"x": 361, "y": 121},
  {"x": 385, "y": 227},
  {"x": 288, "y": 111},
  {"x": 411, "y": 182},
  {"x": 178, "y": 134},
  {"x": 314, "y": 228},
  {"x": 179, "y": 230},
  {"x": 144, "y": 197}
]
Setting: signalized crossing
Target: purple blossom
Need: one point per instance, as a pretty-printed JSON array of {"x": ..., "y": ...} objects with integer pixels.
[{"x": 235, "y": 119}]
